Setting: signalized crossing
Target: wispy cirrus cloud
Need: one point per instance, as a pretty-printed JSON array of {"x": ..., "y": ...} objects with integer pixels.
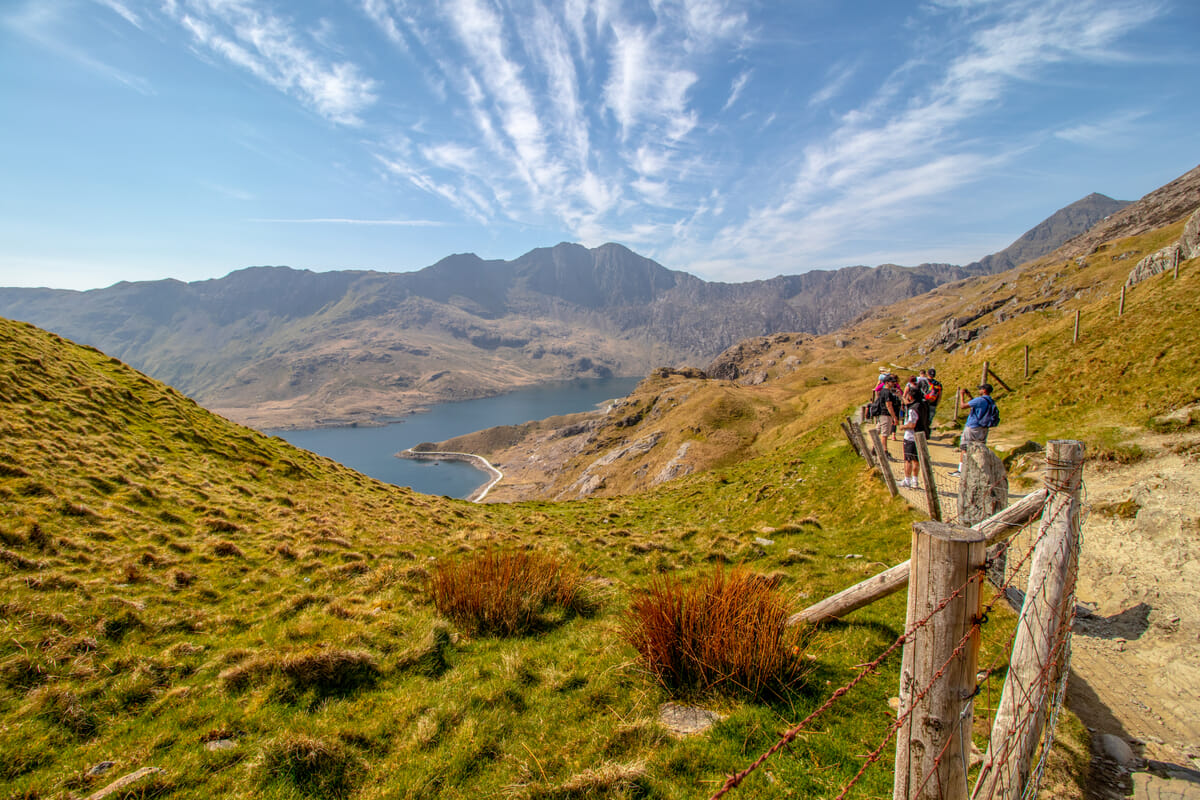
[
  {"x": 44, "y": 23},
  {"x": 274, "y": 51},
  {"x": 122, "y": 10},
  {"x": 735, "y": 91},
  {"x": 909, "y": 144},
  {"x": 1107, "y": 130}
]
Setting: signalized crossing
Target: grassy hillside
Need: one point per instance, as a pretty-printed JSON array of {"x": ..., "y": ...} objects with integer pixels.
[{"x": 183, "y": 593}]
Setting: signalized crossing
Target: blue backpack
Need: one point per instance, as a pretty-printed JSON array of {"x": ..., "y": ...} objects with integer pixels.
[{"x": 991, "y": 416}]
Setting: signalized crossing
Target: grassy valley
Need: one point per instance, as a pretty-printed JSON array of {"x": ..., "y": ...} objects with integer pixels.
[
  {"x": 172, "y": 580},
  {"x": 183, "y": 593}
]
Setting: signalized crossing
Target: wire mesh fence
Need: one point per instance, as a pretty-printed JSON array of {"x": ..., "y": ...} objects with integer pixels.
[{"x": 1035, "y": 555}]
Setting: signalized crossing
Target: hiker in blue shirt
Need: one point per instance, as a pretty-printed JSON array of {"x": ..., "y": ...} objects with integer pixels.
[{"x": 983, "y": 416}]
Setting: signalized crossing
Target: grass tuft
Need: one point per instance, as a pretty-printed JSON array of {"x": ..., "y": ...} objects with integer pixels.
[
  {"x": 324, "y": 671},
  {"x": 727, "y": 632},
  {"x": 314, "y": 766},
  {"x": 508, "y": 593}
]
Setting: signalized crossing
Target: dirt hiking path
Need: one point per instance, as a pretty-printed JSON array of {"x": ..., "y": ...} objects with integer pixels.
[{"x": 1136, "y": 649}]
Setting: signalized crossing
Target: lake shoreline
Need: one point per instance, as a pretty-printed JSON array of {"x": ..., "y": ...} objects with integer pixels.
[{"x": 473, "y": 459}]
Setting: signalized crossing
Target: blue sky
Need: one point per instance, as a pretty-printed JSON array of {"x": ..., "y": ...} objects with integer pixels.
[{"x": 733, "y": 140}]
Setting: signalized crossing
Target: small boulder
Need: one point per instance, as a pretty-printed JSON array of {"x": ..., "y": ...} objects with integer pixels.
[{"x": 683, "y": 720}]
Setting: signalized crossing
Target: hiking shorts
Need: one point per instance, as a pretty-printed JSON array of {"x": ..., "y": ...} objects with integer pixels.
[
  {"x": 910, "y": 450},
  {"x": 970, "y": 435},
  {"x": 885, "y": 425}
]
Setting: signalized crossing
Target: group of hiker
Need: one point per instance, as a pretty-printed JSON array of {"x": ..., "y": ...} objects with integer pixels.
[{"x": 910, "y": 409}]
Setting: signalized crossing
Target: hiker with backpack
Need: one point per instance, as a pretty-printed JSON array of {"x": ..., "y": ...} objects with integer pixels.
[
  {"x": 984, "y": 415},
  {"x": 933, "y": 395},
  {"x": 916, "y": 418},
  {"x": 886, "y": 409}
]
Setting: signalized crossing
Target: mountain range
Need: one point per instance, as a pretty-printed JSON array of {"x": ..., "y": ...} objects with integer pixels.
[{"x": 275, "y": 347}]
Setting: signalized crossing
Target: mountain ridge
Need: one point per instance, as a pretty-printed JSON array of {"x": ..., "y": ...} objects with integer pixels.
[{"x": 275, "y": 347}]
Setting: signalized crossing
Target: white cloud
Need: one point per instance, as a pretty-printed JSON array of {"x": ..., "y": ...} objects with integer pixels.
[
  {"x": 1104, "y": 131},
  {"x": 735, "y": 91},
  {"x": 644, "y": 88},
  {"x": 907, "y": 145},
  {"x": 122, "y": 10},
  {"x": 837, "y": 78},
  {"x": 269, "y": 48}
]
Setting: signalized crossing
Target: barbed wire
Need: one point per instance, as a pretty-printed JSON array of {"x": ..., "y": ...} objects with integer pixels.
[{"x": 1058, "y": 659}]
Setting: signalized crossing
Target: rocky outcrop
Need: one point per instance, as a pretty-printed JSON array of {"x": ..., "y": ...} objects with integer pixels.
[
  {"x": 1169, "y": 257},
  {"x": 592, "y": 481},
  {"x": 950, "y": 336},
  {"x": 677, "y": 467},
  {"x": 745, "y": 357}
]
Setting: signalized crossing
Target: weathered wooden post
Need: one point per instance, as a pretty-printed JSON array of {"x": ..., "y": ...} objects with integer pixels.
[
  {"x": 847, "y": 427},
  {"x": 930, "y": 762},
  {"x": 1026, "y": 362},
  {"x": 1036, "y": 661},
  {"x": 957, "y": 402},
  {"x": 987, "y": 367},
  {"x": 1176, "y": 266},
  {"x": 859, "y": 441},
  {"x": 1121, "y": 307},
  {"x": 931, "y": 494},
  {"x": 1075, "y": 338},
  {"x": 884, "y": 466}
]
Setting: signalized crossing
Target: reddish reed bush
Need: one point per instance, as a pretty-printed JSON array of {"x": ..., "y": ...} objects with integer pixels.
[
  {"x": 727, "y": 632},
  {"x": 507, "y": 593}
]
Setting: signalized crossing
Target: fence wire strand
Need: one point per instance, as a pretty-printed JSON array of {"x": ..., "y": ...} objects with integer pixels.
[{"x": 1051, "y": 678}]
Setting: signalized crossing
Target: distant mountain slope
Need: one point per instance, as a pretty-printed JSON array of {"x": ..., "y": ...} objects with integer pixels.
[
  {"x": 277, "y": 347},
  {"x": 1062, "y": 225}
]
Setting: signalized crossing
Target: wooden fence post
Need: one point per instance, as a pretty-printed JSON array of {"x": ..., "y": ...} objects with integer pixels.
[
  {"x": 1026, "y": 362},
  {"x": 930, "y": 762},
  {"x": 957, "y": 402},
  {"x": 931, "y": 494},
  {"x": 860, "y": 441},
  {"x": 987, "y": 367},
  {"x": 1036, "y": 661},
  {"x": 846, "y": 426},
  {"x": 999, "y": 380},
  {"x": 1121, "y": 307},
  {"x": 884, "y": 466},
  {"x": 1075, "y": 338}
]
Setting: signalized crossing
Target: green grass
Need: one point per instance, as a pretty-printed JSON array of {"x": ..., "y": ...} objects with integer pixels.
[{"x": 169, "y": 580}]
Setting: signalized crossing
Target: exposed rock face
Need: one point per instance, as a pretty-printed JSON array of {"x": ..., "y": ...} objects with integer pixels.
[
  {"x": 983, "y": 486},
  {"x": 1157, "y": 262},
  {"x": 1190, "y": 241},
  {"x": 677, "y": 467},
  {"x": 1169, "y": 257},
  {"x": 591, "y": 482},
  {"x": 949, "y": 337}
]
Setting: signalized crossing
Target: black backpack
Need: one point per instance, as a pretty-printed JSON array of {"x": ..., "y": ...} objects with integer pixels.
[
  {"x": 922, "y": 408},
  {"x": 884, "y": 404}
]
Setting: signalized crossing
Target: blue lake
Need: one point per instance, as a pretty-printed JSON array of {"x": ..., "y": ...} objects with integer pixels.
[{"x": 372, "y": 451}]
